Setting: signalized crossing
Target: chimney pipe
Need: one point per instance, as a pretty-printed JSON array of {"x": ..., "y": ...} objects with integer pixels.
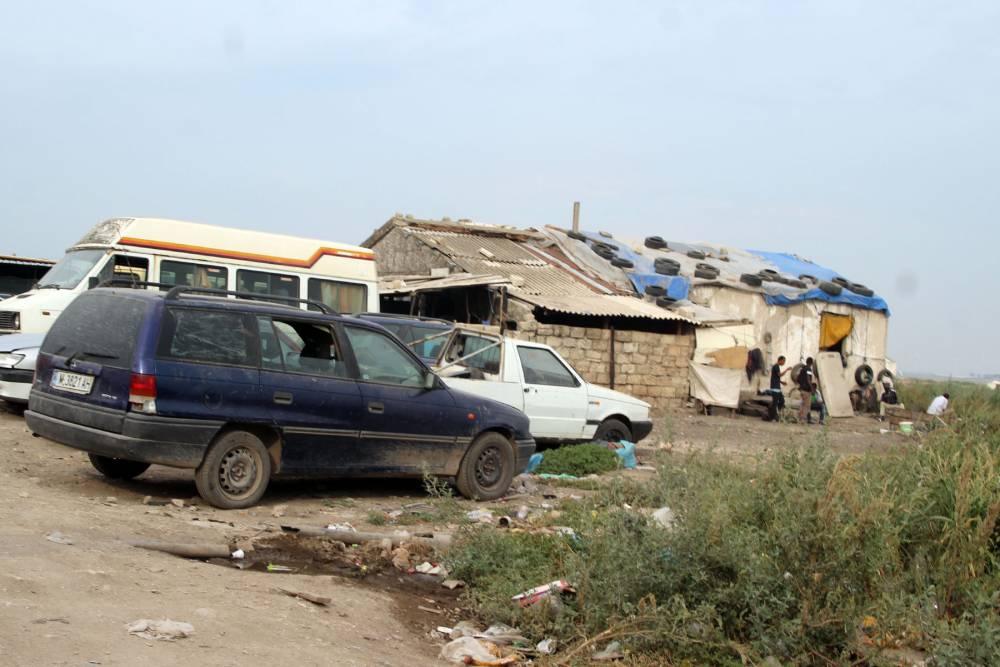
[{"x": 576, "y": 216}]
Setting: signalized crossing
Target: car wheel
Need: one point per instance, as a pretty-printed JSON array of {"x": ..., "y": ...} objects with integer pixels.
[
  {"x": 235, "y": 472},
  {"x": 613, "y": 430},
  {"x": 487, "y": 468},
  {"x": 117, "y": 468}
]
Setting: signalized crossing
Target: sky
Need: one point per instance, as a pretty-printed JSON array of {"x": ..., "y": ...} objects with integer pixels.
[{"x": 860, "y": 135}]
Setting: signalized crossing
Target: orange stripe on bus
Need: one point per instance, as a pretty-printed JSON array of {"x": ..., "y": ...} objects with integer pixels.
[{"x": 248, "y": 256}]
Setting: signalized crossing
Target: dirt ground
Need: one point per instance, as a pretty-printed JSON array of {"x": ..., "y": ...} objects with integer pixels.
[{"x": 68, "y": 604}]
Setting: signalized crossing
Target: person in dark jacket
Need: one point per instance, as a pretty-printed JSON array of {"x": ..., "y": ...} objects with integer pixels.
[
  {"x": 889, "y": 397},
  {"x": 777, "y": 395},
  {"x": 805, "y": 384}
]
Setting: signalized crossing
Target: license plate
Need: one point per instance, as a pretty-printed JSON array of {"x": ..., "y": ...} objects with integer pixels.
[{"x": 74, "y": 382}]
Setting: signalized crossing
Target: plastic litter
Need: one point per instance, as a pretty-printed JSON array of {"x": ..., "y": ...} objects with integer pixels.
[
  {"x": 546, "y": 646},
  {"x": 534, "y": 462},
  {"x": 164, "y": 630},
  {"x": 562, "y": 475},
  {"x": 464, "y": 629},
  {"x": 626, "y": 452},
  {"x": 430, "y": 568},
  {"x": 665, "y": 517},
  {"x": 480, "y": 516},
  {"x": 457, "y": 650},
  {"x": 537, "y": 593},
  {"x": 612, "y": 651},
  {"x": 337, "y": 527},
  {"x": 58, "y": 538},
  {"x": 522, "y": 512},
  {"x": 503, "y": 635},
  {"x": 271, "y": 567},
  {"x": 239, "y": 554}
]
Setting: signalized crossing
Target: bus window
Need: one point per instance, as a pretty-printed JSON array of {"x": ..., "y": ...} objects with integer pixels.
[
  {"x": 342, "y": 297},
  {"x": 195, "y": 275},
  {"x": 259, "y": 282},
  {"x": 124, "y": 268}
]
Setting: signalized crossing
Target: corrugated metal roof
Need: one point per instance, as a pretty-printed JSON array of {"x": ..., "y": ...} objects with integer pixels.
[
  {"x": 475, "y": 246},
  {"x": 392, "y": 285},
  {"x": 603, "y": 305},
  {"x": 25, "y": 261}
]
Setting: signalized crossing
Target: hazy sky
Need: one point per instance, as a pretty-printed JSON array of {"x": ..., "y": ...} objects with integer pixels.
[{"x": 861, "y": 135}]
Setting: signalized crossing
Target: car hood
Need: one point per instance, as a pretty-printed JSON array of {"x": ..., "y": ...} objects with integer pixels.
[
  {"x": 492, "y": 411},
  {"x": 605, "y": 394},
  {"x": 54, "y": 299},
  {"x": 23, "y": 341}
]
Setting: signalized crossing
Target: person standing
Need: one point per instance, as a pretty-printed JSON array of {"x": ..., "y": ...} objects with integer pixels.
[
  {"x": 805, "y": 383},
  {"x": 777, "y": 395}
]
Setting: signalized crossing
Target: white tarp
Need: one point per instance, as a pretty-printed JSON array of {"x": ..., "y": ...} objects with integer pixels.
[{"x": 716, "y": 386}]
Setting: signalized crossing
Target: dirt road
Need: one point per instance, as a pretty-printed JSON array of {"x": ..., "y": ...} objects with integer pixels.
[{"x": 69, "y": 604}]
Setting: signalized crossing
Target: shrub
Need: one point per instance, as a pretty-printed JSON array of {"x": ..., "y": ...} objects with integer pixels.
[{"x": 591, "y": 458}]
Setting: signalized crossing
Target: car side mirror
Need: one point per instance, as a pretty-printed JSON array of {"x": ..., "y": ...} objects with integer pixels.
[
  {"x": 430, "y": 381},
  {"x": 93, "y": 282}
]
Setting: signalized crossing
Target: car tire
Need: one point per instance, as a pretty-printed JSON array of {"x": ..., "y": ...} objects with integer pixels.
[
  {"x": 840, "y": 280},
  {"x": 883, "y": 375},
  {"x": 655, "y": 290},
  {"x": 667, "y": 269},
  {"x": 706, "y": 274},
  {"x": 833, "y": 289},
  {"x": 864, "y": 375},
  {"x": 613, "y": 430},
  {"x": 576, "y": 235},
  {"x": 487, "y": 468},
  {"x": 665, "y": 302},
  {"x": 858, "y": 288},
  {"x": 235, "y": 472},
  {"x": 797, "y": 284},
  {"x": 622, "y": 263},
  {"x": 751, "y": 280},
  {"x": 696, "y": 254},
  {"x": 117, "y": 468},
  {"x": 805, "y": 277},
  {"x": 655, "y": 242}
]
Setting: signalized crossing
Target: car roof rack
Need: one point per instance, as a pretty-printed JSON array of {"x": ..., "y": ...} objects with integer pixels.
[
  {"x": 177, "y": 290},
  {"x": 397, "y": 316},
  {"x": 126, "y": 282}
]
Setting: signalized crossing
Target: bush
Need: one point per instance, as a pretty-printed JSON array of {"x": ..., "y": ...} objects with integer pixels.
[
  {"x": 591, "y": 458},
  {"x": 784, "y": 559}
]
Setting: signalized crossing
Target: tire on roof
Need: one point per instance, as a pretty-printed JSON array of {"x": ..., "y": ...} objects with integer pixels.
[
  {"x": 655, "y": 290},
  {"x": 751, "y": 279},
  {"x": 655, "y": 242},
  {"x": 696, "y": 254},
  {"x": 797, "y": 284},
  {"x": 622, "y": 263},
  {"x": 605, "y": 234},
  {"x": 665, "y": 301},
  {"x": 833, "y": 289},
  {"x": 842, "y": 281},
  {"x": 579, "y": 236},
  {"x": 805, "y": 277},
  {"x": 708, "y": 275},
  {"x": 667, "y": 269},
  {"x": 863, "y": 290}
]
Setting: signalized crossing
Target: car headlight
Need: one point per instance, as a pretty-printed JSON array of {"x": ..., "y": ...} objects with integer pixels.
[{"x": 9, "y": 359}]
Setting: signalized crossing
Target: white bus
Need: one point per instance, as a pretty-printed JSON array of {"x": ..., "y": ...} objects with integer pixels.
[{"x": 172, "y": 252}]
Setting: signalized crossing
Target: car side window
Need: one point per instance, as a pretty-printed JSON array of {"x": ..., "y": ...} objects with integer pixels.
[
  {"x": 212, "y": 336},
  {"x": 540, "y": 366},
  {"x": 301, "y": 347},
  {"x": 381, "y": 359}
]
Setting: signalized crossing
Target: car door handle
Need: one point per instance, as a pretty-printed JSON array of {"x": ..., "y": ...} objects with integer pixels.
[
  {"x": 527, "y": 390},
  {"x": 376, "y": 408},
  {"x": 282, "y": 398}
]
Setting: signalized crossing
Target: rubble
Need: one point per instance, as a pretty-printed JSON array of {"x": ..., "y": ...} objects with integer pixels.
[{"x": 163, "y": 630}]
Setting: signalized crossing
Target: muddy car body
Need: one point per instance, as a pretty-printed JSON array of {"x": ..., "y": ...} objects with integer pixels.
[{"x": 241, "y": 390}]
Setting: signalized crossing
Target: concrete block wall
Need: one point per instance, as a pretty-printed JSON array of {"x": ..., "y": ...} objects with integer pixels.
[{"x": 649, "y": 366}]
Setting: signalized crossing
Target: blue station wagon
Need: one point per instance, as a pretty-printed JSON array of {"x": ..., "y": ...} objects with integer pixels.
[{"x": 242, "y": 390}]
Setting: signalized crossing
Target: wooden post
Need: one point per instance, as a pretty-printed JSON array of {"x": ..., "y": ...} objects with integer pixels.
[
  {"x": 576, "y": 216},
  {"x": 611, "y": 352}
]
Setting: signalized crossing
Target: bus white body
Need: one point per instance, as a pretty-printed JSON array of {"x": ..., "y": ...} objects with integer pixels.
[{"x": 186, "y": 253}]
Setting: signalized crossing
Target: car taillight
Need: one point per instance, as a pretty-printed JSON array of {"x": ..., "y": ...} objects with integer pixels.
[{"x": 142, "y": 393}]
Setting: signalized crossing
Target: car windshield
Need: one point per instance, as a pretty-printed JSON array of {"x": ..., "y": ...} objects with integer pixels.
[
  {"x": 71, "y": 269},
  {"x": 415, "y": 336}
]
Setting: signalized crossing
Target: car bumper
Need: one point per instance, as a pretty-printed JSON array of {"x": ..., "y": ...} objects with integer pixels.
[
  {"x": 641, "y": 429},
  {"x": 523, "y": 449},
  {"x": 180, "y": 443},
  {"x": 15, "y": 384}
]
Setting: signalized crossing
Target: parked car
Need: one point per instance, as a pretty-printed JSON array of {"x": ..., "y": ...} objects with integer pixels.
[
  {"x": 243, "y": 390},
  {"x": 17, "y": 366},
  {"x": 532, "y": 377},
  {"x": 424, "y": 335}
]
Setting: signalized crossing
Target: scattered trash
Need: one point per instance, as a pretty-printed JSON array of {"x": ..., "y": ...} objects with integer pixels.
[
  {"x": 452, "y": 584},
  {"x": 504, "y": 521},
  {"x": 883, "y": 431},
  {"x": 394, "y": 514},
  {"x": 164, "y": 630},
  {"x": 430, "y": 610},
  {"x": 470, "y": 651},
  {"x": 546, "y": 646},
  {"x": 464, "y": 629},
  {"x": 665, "y": 517},
  {"x": 562, "y": 475},
  {"x": 430, "y": 568},
  {"x": 150, "y": 500},
  {"x": 534, "y": 462},
  {"x": 56, "y": 619},
  {"x": 177, "y": 502},
  {"x": 308, "y": 597},
  {"x": 279, "y": 510},
  {"x": 523, "y": 484},
  {"x": 401, "y": 558},
  {"x": 271, "y": 567},
  {"x": 239, "y": 554},
  {"x": 565, "y": 530},
  {"x": 532, "y": 596},
  {"x": 626, "y": 452},
  {"x": 342, "y": 527},
  {"x": 612, "y": 651},
  {"x": 522, "y": 512},
  {"x": 58, "y": 538},
  {"x": 443, "y": 630},
  {"x": 480, "y": 516},
  {"x": 503, "y": 635}
]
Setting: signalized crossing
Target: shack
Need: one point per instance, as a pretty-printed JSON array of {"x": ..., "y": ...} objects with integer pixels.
[
  {"x": 523, "y": 281},
  {"x": 18, "y": 274}
]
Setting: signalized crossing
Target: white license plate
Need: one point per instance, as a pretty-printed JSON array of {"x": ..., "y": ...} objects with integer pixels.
[{"x": 74, "y": 382}]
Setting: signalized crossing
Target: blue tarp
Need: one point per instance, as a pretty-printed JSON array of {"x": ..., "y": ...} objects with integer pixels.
[
  {"x": 643, "y": 273},
  {"x": 793, "y": 266}
]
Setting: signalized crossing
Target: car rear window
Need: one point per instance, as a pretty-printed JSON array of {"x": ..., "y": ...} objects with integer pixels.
[
  {"x": 212, "y": 336},
  {"x": 99, "y": 327}
]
